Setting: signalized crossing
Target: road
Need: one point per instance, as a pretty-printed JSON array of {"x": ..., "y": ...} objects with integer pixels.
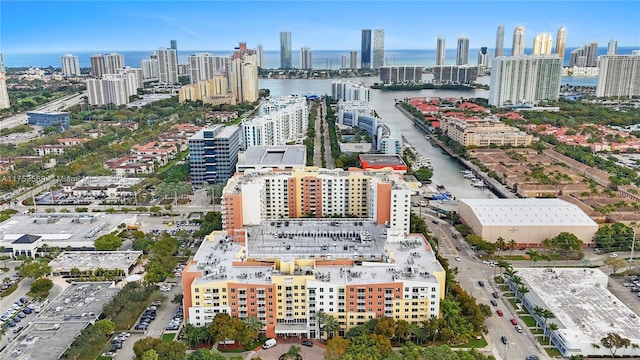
[
  {"x": 21, "y": 119},
  {"x": 470, "y": 271},
  {"x": 156, "y": 328}
]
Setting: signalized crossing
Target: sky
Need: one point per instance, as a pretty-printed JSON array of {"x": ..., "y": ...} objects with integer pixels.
[{"x": 67, "y": 26}]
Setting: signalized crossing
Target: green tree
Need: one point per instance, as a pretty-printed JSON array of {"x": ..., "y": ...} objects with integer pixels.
[
  {"x": 615, "y": 263},
  {"x": 35, "y": 268},
  {"x": 143, "y": 345},
  {"x": 105, "y": 326},
  {"x": 292, "y": 354},
  {"x": 613, "y": 342},
  {"x": 150, "y": 355},
  {"x": 336, "y": 348},
  {"x": 108, "y": 242},
  {"x": 204, "y": 354},
  {"x": 40, "y": 287}
]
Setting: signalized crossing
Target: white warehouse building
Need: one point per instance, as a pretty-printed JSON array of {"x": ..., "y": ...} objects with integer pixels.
[{"x": 527, "y": 221}]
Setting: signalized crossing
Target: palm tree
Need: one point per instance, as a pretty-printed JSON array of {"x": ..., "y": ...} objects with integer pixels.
[
  {"x": 512, "y": 245},
  {"x": 254, "y": 324},
  {"x": 533, "y": 255},
  {"x": 537, "y": 310},
  {"x": 516, "y": 281},
  {"x": 509, "y": 272},
  {"x": 321, "y": 317},
  {"x": 552, "y": 327},
  {"x": 546, "y": 315},
  {"x": 523, "y": 289},
  {"x": 293, "y": 353},
  {"x": 500, "y": 243},
  {"x": 331, "y": 325},
  {"x": 504, "y": 264}
]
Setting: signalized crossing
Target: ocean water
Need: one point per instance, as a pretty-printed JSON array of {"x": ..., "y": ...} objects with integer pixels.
[{"x": 321, "y": 59}]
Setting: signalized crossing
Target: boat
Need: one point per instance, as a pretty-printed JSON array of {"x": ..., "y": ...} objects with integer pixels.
[
  {"x": 469, "y": 176},
  {"x": 478, "y": 183},
  {"x": 440, "y": 187},
  {"x": 427, "y": 137}
]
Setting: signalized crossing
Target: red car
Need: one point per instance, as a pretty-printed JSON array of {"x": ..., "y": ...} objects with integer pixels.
[
  {"x": 513, "y": 321},
  {"x": 499, "y": 312}
]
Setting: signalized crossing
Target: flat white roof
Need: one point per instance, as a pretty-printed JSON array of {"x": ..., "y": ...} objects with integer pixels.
[
  {"x": 527, "y": 212},
  {"x": 585, "y": 310}
]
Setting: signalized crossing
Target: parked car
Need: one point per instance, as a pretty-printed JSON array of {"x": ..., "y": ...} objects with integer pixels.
[{"x": 307, "y": 343}]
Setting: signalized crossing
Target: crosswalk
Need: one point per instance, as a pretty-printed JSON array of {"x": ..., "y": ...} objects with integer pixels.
[{"x": 154, "y": 333}]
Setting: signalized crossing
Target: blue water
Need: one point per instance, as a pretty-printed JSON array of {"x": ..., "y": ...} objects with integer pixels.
[{"x": 322, "y": 59}]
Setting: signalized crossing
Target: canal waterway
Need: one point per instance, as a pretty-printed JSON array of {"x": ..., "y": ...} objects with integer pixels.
[{"x": 446, "y": 170}]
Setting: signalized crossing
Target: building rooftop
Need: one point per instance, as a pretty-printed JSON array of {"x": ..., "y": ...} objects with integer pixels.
[
  {"x": 527, "y": 212},
  {"x": 26, "y": 239},
  {"x": 353, "y": 251},
  {"x": 382, "y": 159},
  {"x": 55, "y": 327},
  {"x": 274, "y": 156},
  {"x": 61, "y": 229},
  {"x": 585, "y": 310},
  {"x": 86, "y": 260},
  {"x": 106, "y": 181}
]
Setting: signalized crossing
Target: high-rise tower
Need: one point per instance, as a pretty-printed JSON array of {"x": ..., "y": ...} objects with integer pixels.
[
  {"x": 167, "y": 65},
  {"x": 259, "y": 56},
  {"x": 70, "y": 65},
  {"x": 4, "y": 95},
  {"x": 114, "y": 61},
  {"x": 462, "y": 55},
  {"x": 353, "y": 59},
  {"x": 202, "y": 66},
  {"x": 500, "y": 41},
  {"x": 561, "y": 41},
  {"x": 440, "y": 51},
  {"x": 98, "y": 65},
  {"x": 305, "y": 58},
  {"x": 285, "y": 50},
  {"x": 584, "y": 56},
  {"x": 483, "y": 57},
  {"x": 612, "y": 48},
  {"x": 519, "y": 80},
  {"x": 542, "y": 44},
  {"x": 365, "y": 55},
  {"x": 518, "y": 41},
  {"x": 618, "y": 76},
  {"x": 378, "y": 48}
]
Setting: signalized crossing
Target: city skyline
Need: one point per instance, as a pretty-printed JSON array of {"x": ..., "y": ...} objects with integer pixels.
[{"x": 190, "y": 23}]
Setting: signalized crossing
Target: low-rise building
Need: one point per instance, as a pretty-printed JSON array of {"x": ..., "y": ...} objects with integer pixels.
[
  {"x": 483, "y": 132},
  {"x": 382, "y": 161},
  {"x": 527, "y": 221},
  {"x": 58, "y": 120},
  {"x": 51, "y": 333},
  {"x": 43, "y": 150},
  {"x": 72, "y": 264},
  {"x": 31, "y": 235},
  {"x": 584, "y": 310},
  {"x": 98, "y": 186},
  {"x": 131, "y": 165},
  {"x": 284, "y": 157}
]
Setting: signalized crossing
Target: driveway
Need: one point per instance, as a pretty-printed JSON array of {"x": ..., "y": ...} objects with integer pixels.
[{"x": 308, "y": 353}]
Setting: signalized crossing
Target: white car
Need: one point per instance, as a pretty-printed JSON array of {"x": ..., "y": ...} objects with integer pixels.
[
  {"x": 613, "y": 255},
  {"x": 457, "y": 258}
]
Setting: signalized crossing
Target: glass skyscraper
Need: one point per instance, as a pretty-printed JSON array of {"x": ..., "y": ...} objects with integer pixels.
[
  {"x": 365, "y": 57},
  {"x": 285, "y": 50}
]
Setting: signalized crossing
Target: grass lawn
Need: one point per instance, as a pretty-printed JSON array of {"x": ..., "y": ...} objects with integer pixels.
[
  {"x": 473, "y": 343},
  {"x": 529, "y": 321},
  {"x": 512, "y": 301},
  {"x": 168, "y": 337},
  {"x": 553, "y": 352}
]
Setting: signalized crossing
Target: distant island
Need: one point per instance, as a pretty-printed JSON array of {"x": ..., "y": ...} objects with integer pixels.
[{"x": 426, "y": 86}]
